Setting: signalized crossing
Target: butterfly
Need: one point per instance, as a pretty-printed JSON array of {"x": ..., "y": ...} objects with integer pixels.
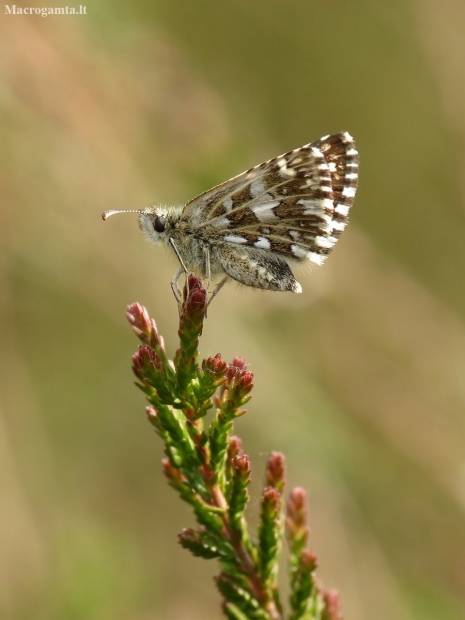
[{"x": 252, "y": 228}]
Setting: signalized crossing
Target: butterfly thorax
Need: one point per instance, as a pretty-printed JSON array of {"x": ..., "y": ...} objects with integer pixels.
[{"x": 164, "y": 224}]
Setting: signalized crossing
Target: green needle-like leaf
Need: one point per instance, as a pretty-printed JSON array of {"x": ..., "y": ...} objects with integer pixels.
[{"x": 210, "y": 471}]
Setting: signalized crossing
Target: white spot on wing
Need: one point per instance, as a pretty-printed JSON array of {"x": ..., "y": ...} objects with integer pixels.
[
  {"x": 318, "y": 259},
  {"x": 325, "y": 242},
  {"x": 235, "y": 239},
  {"x": 284, "y": 169},
  {"x": 338, "y": 225},
  {"x": 316, "y": 206},
  {"x": 228, "y": 204},
  {"x": 223, "y": 222},
  {"x": 298, "y": 251},
  {"x": 342, "y": 209},
  {"x": 257, "y": 188},
  {"x": 265, "y": 212},
  {"x": 349, "y": 191},
  {"x": 262, "y": 243}
]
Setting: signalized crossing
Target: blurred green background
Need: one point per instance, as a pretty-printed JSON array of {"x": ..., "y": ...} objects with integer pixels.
[{"x": 360, "y": 380}]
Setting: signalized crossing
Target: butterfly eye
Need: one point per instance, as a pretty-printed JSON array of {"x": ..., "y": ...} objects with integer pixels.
[{"x": 159, "y": 223}]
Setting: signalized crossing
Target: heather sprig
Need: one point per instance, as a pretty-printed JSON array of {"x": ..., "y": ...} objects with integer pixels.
[{"x": 206, "y": 464}]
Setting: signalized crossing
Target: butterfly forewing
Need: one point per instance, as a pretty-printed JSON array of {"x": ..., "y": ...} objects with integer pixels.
[{"x": 295, "y": 205}]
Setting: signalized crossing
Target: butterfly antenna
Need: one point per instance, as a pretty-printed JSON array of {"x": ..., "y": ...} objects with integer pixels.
[{"x": 106, "y": 214}]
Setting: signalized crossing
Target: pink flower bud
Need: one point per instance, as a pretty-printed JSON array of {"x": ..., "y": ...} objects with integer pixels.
[{"x": 275, "y": 471}]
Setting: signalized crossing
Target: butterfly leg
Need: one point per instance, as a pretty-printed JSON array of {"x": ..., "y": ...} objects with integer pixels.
[
  {"x": 208, "y": 275},
  {"x": 217, "y": 289},
  {"x": 174, "y": 285},
  {"x": 174, "y": 282}
]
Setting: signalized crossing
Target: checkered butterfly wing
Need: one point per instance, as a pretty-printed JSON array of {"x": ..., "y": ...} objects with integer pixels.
[{"x": 295, "y": 205}]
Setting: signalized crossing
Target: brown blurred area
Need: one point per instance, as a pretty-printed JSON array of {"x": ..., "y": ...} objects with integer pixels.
[{"x": 360, "y": 380}]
